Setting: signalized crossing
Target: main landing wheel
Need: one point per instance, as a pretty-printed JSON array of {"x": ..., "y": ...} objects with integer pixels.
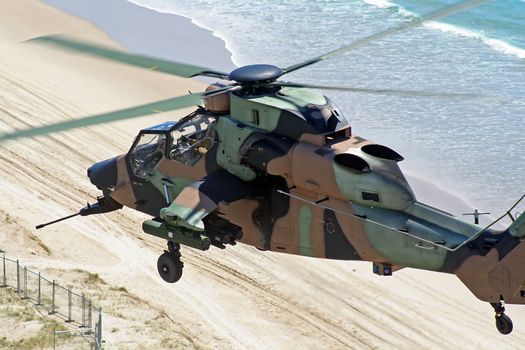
[
  {"x": 170, "y": 267},
  {"x": 503, "y": 324}
]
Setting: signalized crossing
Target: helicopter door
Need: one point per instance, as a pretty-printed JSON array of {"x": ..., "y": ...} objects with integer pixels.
[{"x": 148, "y": 150}]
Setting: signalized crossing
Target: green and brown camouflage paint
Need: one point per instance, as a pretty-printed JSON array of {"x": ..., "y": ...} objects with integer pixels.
[{"x": 286, "y": 169}]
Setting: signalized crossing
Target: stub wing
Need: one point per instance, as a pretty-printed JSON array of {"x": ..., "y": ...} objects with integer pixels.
[{"x": 202, "y": 197}]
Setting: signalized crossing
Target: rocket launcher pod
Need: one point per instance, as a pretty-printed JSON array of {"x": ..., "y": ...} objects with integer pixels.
[{"x": 179, "y": 235}]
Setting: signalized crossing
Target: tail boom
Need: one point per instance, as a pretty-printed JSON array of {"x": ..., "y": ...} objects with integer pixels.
[{"x": 500, "y": 274}]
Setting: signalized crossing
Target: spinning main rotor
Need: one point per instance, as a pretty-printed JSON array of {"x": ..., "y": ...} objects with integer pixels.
[{"x": 250, "y": 79}]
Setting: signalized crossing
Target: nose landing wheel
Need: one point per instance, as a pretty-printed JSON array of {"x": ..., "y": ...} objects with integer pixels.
[{"x": 169, "y": 264}]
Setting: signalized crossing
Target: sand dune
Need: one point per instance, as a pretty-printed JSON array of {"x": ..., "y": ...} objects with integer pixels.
[{"x": 236, "y": 298}]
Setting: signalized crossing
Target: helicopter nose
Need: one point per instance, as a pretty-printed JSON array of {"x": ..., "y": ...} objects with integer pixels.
[{"x": 103, "y": 174}]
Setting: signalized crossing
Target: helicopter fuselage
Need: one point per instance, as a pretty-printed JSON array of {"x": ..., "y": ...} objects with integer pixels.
[{"x": 295, "y": 190}]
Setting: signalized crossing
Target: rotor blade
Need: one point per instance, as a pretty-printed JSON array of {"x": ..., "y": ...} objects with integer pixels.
[
  {"x": 395, "y": 92},
  {"x": 392, "y": 31},
  {"x": 151, "y": 63},
  {"x": 129, "y": 113}
]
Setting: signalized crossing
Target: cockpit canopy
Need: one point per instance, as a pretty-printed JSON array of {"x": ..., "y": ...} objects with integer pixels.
[{"x": 185, "y": 141}]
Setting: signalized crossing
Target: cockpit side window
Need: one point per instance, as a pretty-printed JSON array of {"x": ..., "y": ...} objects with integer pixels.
[
  {"x": 192, "y": 139},
  {"x": 148, "y": 150}
]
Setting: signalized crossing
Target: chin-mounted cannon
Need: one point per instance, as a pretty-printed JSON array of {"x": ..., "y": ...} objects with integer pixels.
[{"x": 103, "y": 205}]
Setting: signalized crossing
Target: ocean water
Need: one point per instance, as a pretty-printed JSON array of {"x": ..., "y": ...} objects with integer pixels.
[{"x": 473, "y": 148}]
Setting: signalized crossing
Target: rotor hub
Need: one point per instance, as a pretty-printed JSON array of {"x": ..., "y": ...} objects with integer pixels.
[{"x": 256, "y": 73}]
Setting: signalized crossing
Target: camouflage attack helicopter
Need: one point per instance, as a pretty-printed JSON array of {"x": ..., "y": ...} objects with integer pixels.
[{"x": 274, "y": 165}]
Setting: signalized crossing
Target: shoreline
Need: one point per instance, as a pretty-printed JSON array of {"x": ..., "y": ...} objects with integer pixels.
[
  {"x": 147, "y": 31},
  {"x": 228, "y": 44},
  {"x": 495, "y": 44}
]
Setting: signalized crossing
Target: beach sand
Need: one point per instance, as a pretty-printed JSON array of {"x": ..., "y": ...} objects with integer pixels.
[{"x": 237, "y": 298}]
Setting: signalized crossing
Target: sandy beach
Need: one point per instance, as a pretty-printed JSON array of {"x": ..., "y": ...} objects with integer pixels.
[{"x": 238, "y": 298}]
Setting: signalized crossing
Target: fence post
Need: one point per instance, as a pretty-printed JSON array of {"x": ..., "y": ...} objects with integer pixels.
[
  {"x": 39, "y": 297},
  {"x": 98, "y": 329},
  {"x": 53, "y": 299},
  {"x": 69, "y": 304},
  {"x": 83, "y": 311},
  {"x": 25, "y": 283},
  {"x": 90, "y": 320},
  {"x": 4, "y": 279},
  {"x": 17, "y": 276}
]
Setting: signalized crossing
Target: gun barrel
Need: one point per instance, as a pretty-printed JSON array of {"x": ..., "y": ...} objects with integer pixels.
[{"x": 55, "y": 221}]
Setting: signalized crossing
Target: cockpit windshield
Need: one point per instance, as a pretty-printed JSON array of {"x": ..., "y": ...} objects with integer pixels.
[{"x": 148, "y": 150}]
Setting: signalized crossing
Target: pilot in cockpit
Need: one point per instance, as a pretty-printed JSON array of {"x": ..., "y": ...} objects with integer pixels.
[{"x": 193, "y": 139}]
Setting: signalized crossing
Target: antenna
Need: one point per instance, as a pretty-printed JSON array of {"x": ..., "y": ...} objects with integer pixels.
[{"x": 476, "y": 215}]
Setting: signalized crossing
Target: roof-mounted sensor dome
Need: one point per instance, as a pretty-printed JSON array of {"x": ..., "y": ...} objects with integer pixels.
[{"x": 256, "y": 73}]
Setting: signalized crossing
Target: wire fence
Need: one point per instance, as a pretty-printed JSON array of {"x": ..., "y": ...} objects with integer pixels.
[{"x": 56, "y": 299}]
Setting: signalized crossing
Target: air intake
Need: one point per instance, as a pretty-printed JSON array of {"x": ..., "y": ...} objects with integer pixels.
[
  {"x": 352, "y": 162},
  {"x": 383, "y": 152}
]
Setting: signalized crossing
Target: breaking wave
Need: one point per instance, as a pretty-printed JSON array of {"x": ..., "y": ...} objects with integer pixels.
[{"x": 496, "y": 44}]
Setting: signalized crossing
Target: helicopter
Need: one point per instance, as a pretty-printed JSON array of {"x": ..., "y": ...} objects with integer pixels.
[{"x": 275, "y": 165}]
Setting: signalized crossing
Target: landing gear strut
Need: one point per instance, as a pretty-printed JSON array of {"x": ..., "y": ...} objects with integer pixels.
[
  {"x": 503, "y": 322},
  {"x": 169, "y": 264}
]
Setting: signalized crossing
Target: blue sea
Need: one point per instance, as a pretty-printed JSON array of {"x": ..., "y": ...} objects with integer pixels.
[{"x": 474, "y": 148}]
